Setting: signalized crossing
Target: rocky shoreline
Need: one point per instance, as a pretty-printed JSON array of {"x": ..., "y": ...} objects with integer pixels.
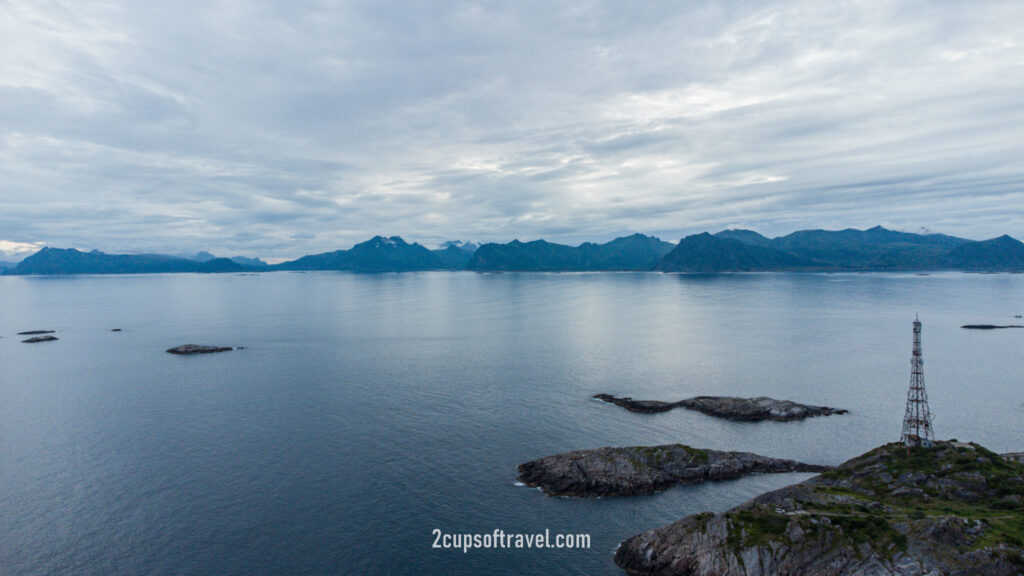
[
  {"x": 730, "y": 408},
  {"x": 955, "y": 509},
  {"x": 644, "y": 469}
]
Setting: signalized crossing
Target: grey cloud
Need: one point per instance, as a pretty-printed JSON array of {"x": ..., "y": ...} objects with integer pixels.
[{"x": 282, "y": 129}]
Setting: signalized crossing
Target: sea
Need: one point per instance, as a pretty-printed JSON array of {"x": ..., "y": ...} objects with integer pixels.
[{"x": 366, "y": 414}]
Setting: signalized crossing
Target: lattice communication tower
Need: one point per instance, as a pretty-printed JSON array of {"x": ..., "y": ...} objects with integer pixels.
[{"x": 917, "y": 422}]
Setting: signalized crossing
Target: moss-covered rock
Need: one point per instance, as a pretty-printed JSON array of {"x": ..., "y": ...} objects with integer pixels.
[{"x": 953, "y": 509}]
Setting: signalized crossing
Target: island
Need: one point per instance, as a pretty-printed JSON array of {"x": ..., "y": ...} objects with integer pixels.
[
  {"x": 730, "y": 408},
  {"x": 644, "y": 469},
  {"x": 35, "y": 332},
  {"x": 955, "y": 508},
  {"x": 187, "y": 349},
  {"x": 990, "y": 326},
  {"x": 34, "y": 339}
]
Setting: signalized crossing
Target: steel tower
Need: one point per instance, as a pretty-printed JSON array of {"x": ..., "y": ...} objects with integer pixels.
[{"x": 917, "y": 422}]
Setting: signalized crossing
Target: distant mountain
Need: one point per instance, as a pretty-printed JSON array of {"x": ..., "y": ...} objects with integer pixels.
[
  {"x": 707, "y": 253},
  {"x": 249, "y": 262},
  {"x": 538, "y": 255},
  {"x": 205, "y": 256},
  {"x": 1002, "y": 253},
  {"x": 636, "y": 252},
  {"x": 378, "y": 254},
  {"x": 729, "y": 250},
  {"x": 850, "y": 249},
  {"x": 746, "y": 236},
  {"x": 873, "y": 249},
  {"x": 466, "y": 246},
  {"x": 453, "y": 257},
  {"x": 71, "y": 261}
]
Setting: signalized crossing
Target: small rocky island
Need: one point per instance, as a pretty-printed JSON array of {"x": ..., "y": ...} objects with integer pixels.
[
  {"x": 954, "y": 509},
  {"x": 197, "y": 349},
  {"x": 644, "y": 469},
  {"x": 990, "y": 326},
  {"x": 45, "y": 338},
  {"x": 730, "y": 408}
]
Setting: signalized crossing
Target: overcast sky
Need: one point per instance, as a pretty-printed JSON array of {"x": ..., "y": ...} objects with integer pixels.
[{"x": 278, "y": 129}]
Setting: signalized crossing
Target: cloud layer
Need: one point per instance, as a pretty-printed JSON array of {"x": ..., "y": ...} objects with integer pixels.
[{"x": 279, "y": 129}]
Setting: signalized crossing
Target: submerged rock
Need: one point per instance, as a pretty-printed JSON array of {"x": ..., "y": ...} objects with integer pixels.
[
  {"x": 34, "y": 339},
  {"x": 197, "y": 349},
  {"x": 746, "y": 409},
  {"x": 644, "y": 469},
  {"x": 950, "y": 510}
]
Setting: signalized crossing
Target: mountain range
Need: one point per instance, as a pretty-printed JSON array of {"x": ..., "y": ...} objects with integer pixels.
[
  {"x": 726, "y": 251},
  {"x": 636, "y": 252}
]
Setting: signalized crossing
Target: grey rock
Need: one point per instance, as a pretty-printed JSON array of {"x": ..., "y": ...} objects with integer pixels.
[
  {"x": 728, "y": 407},
  {"x": 197, "y": 349},
  {"x": 827, "y": 525},
  {"x": 34, "y": 339},
  {"x": 644, "y": 469}
]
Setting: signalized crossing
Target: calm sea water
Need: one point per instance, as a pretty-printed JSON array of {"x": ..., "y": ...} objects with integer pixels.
[{"x": 367, "y": 410}]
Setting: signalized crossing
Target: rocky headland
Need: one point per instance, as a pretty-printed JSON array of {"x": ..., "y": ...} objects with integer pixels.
[
  {"x": 644, "y": 469},
  {"x": 744, "y": 409},
  {"x": 197, "y": 349},
  {"x": 952, "y": 510}
]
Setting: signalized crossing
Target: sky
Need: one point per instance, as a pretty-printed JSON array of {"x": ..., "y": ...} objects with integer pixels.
[{"x": 277, "y": 129}]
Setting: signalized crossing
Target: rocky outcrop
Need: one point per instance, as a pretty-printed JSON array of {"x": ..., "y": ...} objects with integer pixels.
[
  {"x": 644, "y": 469},
  {"x": 954, "y": 509},
  {"x": 645, "y": 406},
  {"x": 197, "y": 349},
  {"x": 989, "y": 326},
  {"x": 745, "y": 409},
  {"x": 35, "y": 332},
  {"x": 34, "y": 339}
]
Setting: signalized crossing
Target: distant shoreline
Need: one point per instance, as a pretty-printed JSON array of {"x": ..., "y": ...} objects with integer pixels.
[{"x": 872, "y": 250}]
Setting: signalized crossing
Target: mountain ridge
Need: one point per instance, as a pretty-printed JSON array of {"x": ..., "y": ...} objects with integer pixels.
[{"x": 732, "y": 250}]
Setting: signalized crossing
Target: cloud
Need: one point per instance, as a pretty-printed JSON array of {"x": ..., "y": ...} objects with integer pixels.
[
  {"x": 275, "y": 130},
  {"x": 18, "y": 250}
]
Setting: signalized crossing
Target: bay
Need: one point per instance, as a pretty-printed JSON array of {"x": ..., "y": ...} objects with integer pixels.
[{"x": 366, "y": 411}]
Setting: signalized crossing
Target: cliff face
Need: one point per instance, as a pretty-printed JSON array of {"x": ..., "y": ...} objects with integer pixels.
[{"x": 955, "y": 509}]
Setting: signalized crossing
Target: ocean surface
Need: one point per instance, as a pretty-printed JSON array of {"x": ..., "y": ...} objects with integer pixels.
[{"x": 365, "y": 411}]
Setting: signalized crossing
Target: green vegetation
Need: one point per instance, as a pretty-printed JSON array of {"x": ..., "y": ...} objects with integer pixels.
[
  {"x": 696, "y": 454},
  {"x": 888, "y": 493}
]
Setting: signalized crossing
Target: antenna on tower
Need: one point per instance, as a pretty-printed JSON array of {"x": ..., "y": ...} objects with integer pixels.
[{"x": 917, "y": 421}]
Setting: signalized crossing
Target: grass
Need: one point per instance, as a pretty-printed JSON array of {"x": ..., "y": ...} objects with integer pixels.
[{"x": 976, "y": 485}]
